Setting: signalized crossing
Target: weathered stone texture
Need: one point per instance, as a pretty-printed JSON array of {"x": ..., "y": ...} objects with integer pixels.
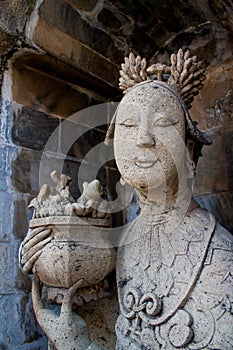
[
  {"x": 7, "y": 42},
  {"x": 9, "y": 268},
  {"x": 6, "y": 154},
  {"x": 174, "y": 17},
  {"x": 6, "y": 209},
  {"x": 223, "y": 11},
  {"x": 110, "y": 20},
  {"x": 32, "y": 129},
  {"x": 100, "y": 323},
  {"x": 25, "y": 171},
  {"x": 72, "y": 52},
  {"x": 12, "y": 22},
  {"x": 83, "y": 5},
  {"x": 136, "y": 11},
  {"x": 76, "y": 77},
  {"x": 84, "y": 43},
  {"x": 5, "y": 129},
  {"x": 13, "y": 15},
  {"x": 48, "y": 94},
  {"x": 78, "y": 140},
  {"x": 23, "y": 330},
  {"x": 65, "y": 18},
  {"x": 21, "y": 216}
]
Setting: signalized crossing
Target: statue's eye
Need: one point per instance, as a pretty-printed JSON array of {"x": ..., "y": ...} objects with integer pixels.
[
  {"x": 166, "y": 121},
  {"x": 129, "y": 122}
]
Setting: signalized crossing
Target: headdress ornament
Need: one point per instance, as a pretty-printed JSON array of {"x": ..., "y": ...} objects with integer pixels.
[{"x": 185, "y": 74}]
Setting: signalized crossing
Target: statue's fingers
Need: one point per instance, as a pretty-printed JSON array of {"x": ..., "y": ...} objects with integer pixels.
[
  {"x": 26, "y": 256},
  {"x": 101, "y": 214},
  {"x": 79, "y": 211},
  {"x": 87, "y": 211},
  {"x": 74, "y": 288},
  {"x": 26, "y": 268},
  {"x": 20, "y": 254},
  {"x": 33, "y": 232},
  {"x": 35, "y": 240},
  {"x": 66, "y": 304}
]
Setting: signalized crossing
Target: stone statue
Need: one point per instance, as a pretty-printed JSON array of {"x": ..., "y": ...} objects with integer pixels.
[{"x": 173, "y": 265}]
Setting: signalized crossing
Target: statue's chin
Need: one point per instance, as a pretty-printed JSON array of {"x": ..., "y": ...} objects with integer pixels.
[
  {"x": 153, "y": 192},
  {"x": 149, "y": 183}
]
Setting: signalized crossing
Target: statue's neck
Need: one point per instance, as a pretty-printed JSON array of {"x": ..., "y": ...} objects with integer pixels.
[
  {"x": 168, "y": 221},
  {"x": 164, "y": 201}
]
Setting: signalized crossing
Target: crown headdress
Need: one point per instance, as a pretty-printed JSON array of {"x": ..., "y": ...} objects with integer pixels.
[{"x": 185, "y": 74}]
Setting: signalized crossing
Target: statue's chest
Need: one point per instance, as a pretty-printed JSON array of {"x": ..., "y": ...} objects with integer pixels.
[
  {"x": 151, "y": 287},
  {"x": 160, "y": 264},
  {"x": 156, "y": 275}
]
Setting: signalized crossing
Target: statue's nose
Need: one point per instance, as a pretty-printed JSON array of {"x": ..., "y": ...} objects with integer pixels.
[{"x": 145, "y": 139}]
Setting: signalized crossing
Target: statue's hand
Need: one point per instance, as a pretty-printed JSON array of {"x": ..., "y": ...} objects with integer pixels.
[
  {"x": 67, "y": 330},
  {"x": 32, "y": 247}
]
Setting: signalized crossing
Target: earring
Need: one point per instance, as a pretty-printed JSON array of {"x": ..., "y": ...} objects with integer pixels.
[
  {"x": 122, "y": 181},
  {"x": 191, "y": 167}
]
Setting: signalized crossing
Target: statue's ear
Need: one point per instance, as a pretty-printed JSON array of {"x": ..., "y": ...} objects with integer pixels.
[
  {"x": 110, "y": 134},
  {"x": 111, "y": 129}
]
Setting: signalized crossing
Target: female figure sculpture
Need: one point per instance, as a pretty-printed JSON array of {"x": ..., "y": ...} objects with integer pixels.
[{"x": 174, "y": 261}]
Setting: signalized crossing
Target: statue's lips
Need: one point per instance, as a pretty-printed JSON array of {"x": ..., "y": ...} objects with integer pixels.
[{"x": 144, "y": 163}]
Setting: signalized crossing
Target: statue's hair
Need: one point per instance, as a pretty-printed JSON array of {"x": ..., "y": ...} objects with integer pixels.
[{"x": 195, "y": 138}]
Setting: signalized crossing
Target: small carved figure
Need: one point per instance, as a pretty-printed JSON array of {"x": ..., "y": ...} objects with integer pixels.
[
  {"x": 53, "y": 201},
  {"x": 91, "y": 200},
  {"x": 174, "y": 262},
  {"x": 58, "y": 201}
]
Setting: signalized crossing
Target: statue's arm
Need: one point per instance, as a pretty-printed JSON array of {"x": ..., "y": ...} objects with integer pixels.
[{"x": 64, "y": 328}]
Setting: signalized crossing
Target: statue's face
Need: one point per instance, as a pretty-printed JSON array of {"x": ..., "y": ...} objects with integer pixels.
[{"x": 149, "y": 137}]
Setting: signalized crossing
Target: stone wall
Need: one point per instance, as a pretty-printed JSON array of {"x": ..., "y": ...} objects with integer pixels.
[{"x": 58, "y": 57}]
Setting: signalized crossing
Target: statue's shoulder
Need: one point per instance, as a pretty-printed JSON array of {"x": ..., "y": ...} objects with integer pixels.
[
  {"x": 201, "y": 225},
  {"x": 221, "y": 239},
  {"x": 216, "y": 276},
  {"x": 202, "y": 219},
  {"x": 220, "y": 252},
  {"x": 198, "y": 225},
  {"x": 213, "y": 291}
]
